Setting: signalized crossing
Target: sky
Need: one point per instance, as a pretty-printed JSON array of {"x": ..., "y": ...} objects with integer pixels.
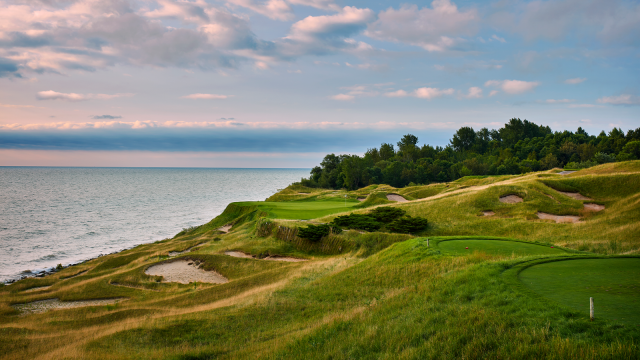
[{"x": 281, "y": 83}]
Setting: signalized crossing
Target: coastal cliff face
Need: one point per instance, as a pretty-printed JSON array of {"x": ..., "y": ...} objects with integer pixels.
[{"x": 504, "y": 269}]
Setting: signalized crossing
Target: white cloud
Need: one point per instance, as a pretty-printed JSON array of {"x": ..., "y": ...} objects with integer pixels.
[
  {"x": 318, "y": 4},
  {"x": 513, "y": 86},
  {"x": 434, "y": 29},
  {"x": 493, "y": 92},
  {"x": 474, "y": 93},
  {"x": 54, "y": 95},
  {"x": 575, "y": 81},
  {"x": 204, "y": 96},
  {"x": 430, "y": 93},
  {"x": 342, "y": 97},
  {"x": 350, "y": 20},
  {"x": 273, "y": 9},
  {"x": 398, "y": 93},
  {"x": 558, "y": 101},
  {"x": 624, "y": 99},
  {"x": 498, "y": 38}
]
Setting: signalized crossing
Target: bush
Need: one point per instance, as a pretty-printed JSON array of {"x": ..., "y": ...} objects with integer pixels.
[
  {"x": 357, "y": 221},
  {"x": 317, "y": 232},
  {"x": 386, "y": 214},
  {"x": 408, "y": 225}
]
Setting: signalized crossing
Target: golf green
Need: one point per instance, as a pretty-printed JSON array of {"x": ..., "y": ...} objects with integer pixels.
[
  {"x": 303, "y": 210},
  {"x": 495, "y": 247},
  {"x": 614, "y": 285}
]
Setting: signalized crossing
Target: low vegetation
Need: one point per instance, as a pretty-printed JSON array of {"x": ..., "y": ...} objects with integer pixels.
[{"x": 390, "y": 285}]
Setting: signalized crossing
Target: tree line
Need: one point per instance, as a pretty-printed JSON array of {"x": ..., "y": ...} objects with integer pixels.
[{"x": 519, "y": 147}]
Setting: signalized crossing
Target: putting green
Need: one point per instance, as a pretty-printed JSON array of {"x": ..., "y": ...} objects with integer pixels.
[
  {"x": 303, "y": 210},
  {"x": 614, "y": 285},
  {"x": 495, "y": 247}
]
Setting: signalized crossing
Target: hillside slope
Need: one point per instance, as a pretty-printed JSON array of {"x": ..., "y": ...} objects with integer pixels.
[{"x": 456, "y": 289}]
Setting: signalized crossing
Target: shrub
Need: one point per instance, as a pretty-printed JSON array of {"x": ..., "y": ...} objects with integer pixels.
[
  {"x": 408, "y": 225},
  {"x": 386, "y": 214},
  {"x": 317, "y": 232},
  {"x": 357, "y": 221}
]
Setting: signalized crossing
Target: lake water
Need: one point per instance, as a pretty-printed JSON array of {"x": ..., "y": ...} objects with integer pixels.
[{"x": 51, "y": 216}]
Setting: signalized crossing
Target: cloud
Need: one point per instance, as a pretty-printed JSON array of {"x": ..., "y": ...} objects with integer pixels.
[
  {"x": 54, "y": 95},
  {"x": 318, "y": 4},
  {"x": 474, "y": 93},
  {"x": 343, "y": 97},
  {"x": 575, "y": 81},
  {"x": 367, "y": 66},
  {"x": 624, "y": 99},
  {"x": 106, "y": 117},
  {"x": 273, "y": 9},
  {"x": 498, "y": 38},
  {"x": 430, "y": 93},
  {"x": 204, "y": 96},
  {"x": 421, "y": 93},
  {"x": 434, "y": 29},
  {"x": 558, "y": 101},
  {"x": 493, "y": 93},
  {"x": 349, "y": 21},
  {"x": 8, "y": 68},
  {"x": 512, "y": 86}
]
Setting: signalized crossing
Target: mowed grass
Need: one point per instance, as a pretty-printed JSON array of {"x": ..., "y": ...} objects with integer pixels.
[
  {"x": 496, "y": 247},
  {"x": 613, "y": 283},
  {"x": 302, "y": 210}
]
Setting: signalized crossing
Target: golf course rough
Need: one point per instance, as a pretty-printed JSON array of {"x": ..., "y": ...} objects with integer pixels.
[
  {"x": 614, "y": 283},
  {"x": 496, "y": 247}
]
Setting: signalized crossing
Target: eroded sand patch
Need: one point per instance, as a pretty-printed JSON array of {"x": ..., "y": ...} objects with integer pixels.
[
  {"x": 511, "y": 199},
  {"x": 41, "y": 306},
  {"x": 559, "y": 218},
  {"x": 593, "y": 207},
  {"x": 37, "y": 288},
  {"x": 488, "y": 213},
  {"x": 240, "y": 254},
  {"x": 396, "y": 197},
  {"x": 575, "y": 195},
  {"x": 225, "y": 229},
  {"x": 184, "y": 272}
]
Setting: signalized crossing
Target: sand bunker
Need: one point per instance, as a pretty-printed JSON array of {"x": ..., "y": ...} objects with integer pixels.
[
  {"x": 240, "y": 254},
  {"x": 575, "y": 195},
  {"x": 362, "y": 199},
  {"x": 559, "y": 218},
  {"x": 488, "y": 213},
  {"x": 225, "y": 229},
  {"x": 396, "y": 197},
  {"x": 184, "y": 272},
  {"x": 593, "y": 207},
  {"x": 511, "y": 199},
  {"x": 41, "y": 306},
  {"x": 565, "y": 172},
  {"x": 37, "y": 288}
]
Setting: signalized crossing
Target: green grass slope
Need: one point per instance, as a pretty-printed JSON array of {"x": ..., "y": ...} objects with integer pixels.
[{"x": 366, "y": 294}]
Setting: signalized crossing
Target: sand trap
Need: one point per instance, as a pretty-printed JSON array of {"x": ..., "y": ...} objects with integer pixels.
[
  {"x": 184, "y": 272},
  {"x": 362, "y": 199},
  {"x": 488, "y": 213},
  {"x": 565, "y": 172},
  {"x": 593, "y": 207},
  {"x": 396, "y": 197},
  {"x": 240, "y": 254},
  {"x": 575, "y": 195},
  {"x": 559, "y": 218},
  {"x": 225, "y": 229},
  {"x": 37, "y": 288},
  {"x": 41, "y": 306},
  {"x": 511, "y": 199}
]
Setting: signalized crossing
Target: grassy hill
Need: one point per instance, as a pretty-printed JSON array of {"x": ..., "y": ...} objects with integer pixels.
[{"x": 506, "y": 285}]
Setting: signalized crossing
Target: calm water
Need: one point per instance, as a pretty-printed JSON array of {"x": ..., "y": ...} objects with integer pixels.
[{"x": 51, "y": 216}]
